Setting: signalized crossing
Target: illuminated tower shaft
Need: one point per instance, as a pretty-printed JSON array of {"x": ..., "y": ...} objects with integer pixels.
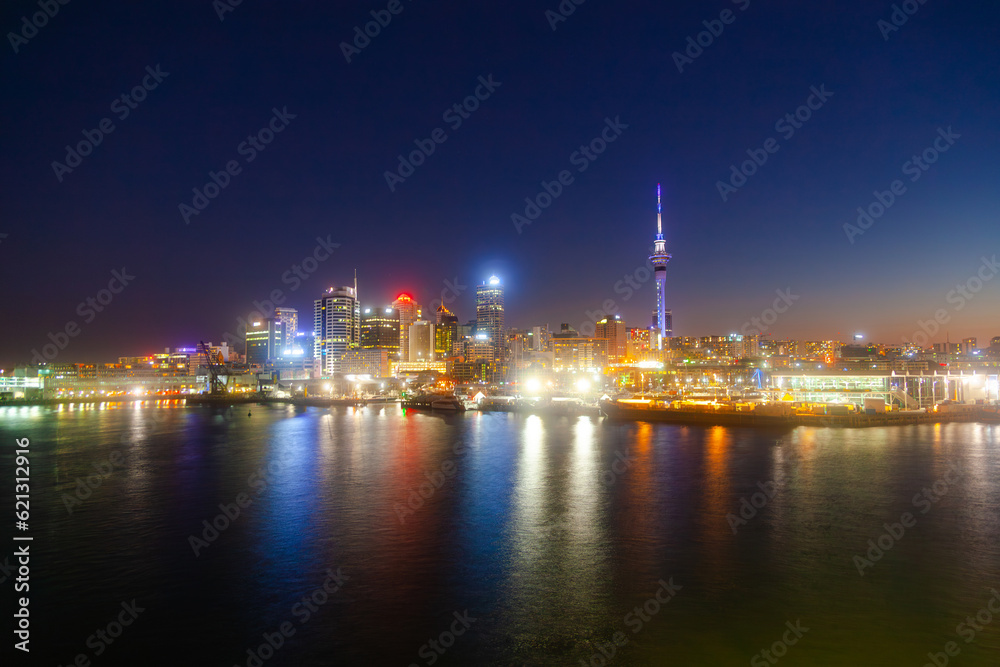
[{"x": 659, "y": 260}]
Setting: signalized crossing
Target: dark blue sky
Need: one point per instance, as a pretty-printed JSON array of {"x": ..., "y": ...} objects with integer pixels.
[{"x": 323, "y": 175}]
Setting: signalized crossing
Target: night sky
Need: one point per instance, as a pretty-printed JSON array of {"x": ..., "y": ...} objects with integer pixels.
[{"x": 323, "y": 174}]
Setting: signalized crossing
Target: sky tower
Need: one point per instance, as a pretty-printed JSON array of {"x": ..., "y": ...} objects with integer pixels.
[{"x": 659, "y": 260}]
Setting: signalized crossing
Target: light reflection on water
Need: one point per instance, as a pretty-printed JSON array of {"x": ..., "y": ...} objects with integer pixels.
[{"x": 533, "y": 529}]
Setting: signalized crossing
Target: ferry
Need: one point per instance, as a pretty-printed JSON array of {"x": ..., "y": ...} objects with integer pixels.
[{"x": 442, "y": 402}]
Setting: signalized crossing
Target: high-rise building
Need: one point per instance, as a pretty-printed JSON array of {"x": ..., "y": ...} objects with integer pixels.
[
  {"x": 445, "y": 332},
  {"x": 615, "y": 332},
  {"x": 659, "y": 259},
  {"x": 289, "y": 318},
  {"x": 409, "y": 312},
  {"x": 541, "y": 338},
  {"x": 421, "y": 341},
  {"x": 380, "y": 330},
  {"x": 968, "y": 346},
  {"x": 265, "y": 341},
  {"x": 336, "y": 327},
  {"x": 490, "y": 316}
]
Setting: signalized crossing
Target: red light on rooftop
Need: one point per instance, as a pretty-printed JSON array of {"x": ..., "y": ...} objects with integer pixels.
[{"x": 404, "y": 297}]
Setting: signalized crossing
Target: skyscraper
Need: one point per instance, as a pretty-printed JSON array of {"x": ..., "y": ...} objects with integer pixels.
[
  {"x": 289, "y": 318},
  {"x": 445, "y": 332},
  {"x": 336, "y": 326},
  {"x": 409, "y": 312},
  {"x": 489, "y": 315},
  {"x": 659, "y": 259},
  {"x": 380, "y": 330},
  {"x": 615, "y": 332}
]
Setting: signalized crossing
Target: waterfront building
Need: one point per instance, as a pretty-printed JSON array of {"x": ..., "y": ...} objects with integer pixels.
[
  {"x": 380, "y": 330},
  {"x": 421, "y": 341},
  {"x": 336, "y": 327},
  {"x": 490, "y": 315},
  {"x": 409, "y": 312},
  {"x": 615, "y": 332}
]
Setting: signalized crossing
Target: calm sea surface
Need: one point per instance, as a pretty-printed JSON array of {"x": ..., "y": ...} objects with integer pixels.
[{"x": 504, "y": 539}]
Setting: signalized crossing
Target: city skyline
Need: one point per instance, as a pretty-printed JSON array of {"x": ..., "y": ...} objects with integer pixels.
[{"x": 762, "y": 178}]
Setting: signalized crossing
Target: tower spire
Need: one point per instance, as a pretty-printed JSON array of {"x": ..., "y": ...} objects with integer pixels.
[{"x": 659, "y": 212}]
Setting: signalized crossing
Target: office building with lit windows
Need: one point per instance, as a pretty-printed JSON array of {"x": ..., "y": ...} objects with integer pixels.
[
  {"x": 490, "y": 315},
  {"x": 380, "y": 330},
  {"x": 409, "y": 312},
  {"x": 336, "y": 327}
]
